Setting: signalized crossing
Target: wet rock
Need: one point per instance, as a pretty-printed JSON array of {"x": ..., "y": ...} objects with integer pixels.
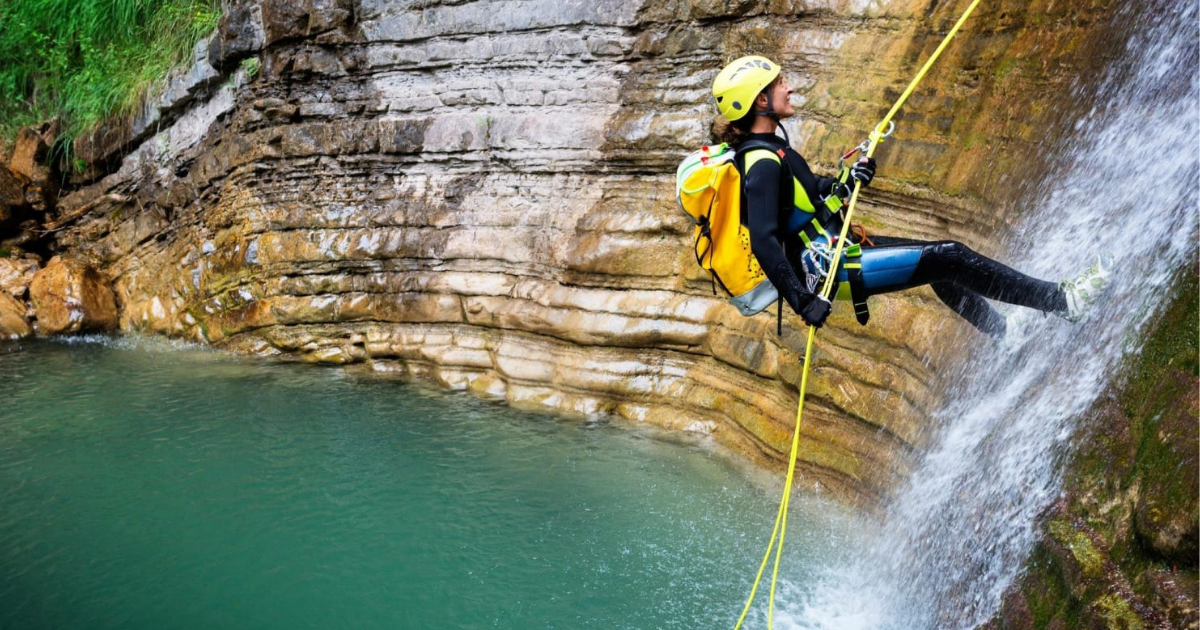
[
  {"x": 13, "y": 321},
  {"x": 1176, "y": 593},
  {"x": 70, "y": 296},
  {"x": 16, "y": 274},
  {"x": 1166, "y": 515},
  {"x": 1120, "y": 548}
]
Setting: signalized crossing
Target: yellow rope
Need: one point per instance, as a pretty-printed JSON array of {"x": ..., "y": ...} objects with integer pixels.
[{"x": 780, "y": 530}]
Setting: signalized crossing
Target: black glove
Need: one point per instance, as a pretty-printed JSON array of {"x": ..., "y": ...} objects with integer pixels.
[
  {"x": 816, "y": 311},
  {"x": 863, "y": 171}
]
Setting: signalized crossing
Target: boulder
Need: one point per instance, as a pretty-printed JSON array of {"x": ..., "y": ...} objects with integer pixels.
[
  {"x": 16, "y": 274},
  {"x": 29, "y": 154},
  {"x": 70, "y": 296},
  {"x": 13, "y": 321},
  {"x": 28, "y": 163},
  {"x": 12, "y": 189}
]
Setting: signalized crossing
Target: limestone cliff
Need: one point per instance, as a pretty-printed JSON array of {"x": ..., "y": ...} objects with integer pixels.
[{"x": 479, "y": 193}]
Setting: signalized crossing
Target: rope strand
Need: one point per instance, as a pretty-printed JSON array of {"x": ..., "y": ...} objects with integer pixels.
[{"x": 780, "y": 530}]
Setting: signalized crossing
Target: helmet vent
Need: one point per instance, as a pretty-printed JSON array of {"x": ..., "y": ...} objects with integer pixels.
[{"x": 737, "y": 105}]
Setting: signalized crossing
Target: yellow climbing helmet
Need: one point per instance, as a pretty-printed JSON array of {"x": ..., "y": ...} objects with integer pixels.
[{"x": 738, "y": 84}]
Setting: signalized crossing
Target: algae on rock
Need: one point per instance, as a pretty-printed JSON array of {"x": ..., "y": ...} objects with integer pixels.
[{"x": 1121, "y": 548}]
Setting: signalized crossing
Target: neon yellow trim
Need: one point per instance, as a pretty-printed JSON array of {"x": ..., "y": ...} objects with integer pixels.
[
  {"x": 821, "y": 229},
  {"x": 754, "y": 155},
  {"x": 800, "y": 198},
  {"x": 780, "y": 530}
]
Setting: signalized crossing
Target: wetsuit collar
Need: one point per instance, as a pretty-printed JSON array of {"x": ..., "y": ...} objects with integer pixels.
[{"x": 772, "y": 138}]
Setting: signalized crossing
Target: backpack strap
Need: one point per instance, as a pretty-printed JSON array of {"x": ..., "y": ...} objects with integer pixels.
[{"x": 785, "y": 172}]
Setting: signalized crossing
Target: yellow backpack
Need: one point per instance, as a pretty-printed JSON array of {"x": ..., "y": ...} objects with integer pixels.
[{"x": 709, "y": 188}]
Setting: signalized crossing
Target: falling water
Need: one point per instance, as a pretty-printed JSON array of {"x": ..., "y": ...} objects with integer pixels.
[{"x": 1125, "y": 184}]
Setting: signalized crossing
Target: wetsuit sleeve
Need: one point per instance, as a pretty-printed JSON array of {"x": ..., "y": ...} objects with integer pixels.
[
  {"x": 815, "y": 186},
  {"x": 825, "y": 185},
  {"x": 766, "y": 234}
]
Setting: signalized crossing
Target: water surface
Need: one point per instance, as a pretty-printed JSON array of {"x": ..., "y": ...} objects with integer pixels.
[{"x": 150, "y": 486}]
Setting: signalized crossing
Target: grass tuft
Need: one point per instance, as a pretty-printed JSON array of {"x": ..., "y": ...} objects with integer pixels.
[{"x": 86, "y": 60}]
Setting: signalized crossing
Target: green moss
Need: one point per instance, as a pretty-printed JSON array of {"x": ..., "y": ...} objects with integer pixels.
[
  {"x": 1161, "y": 407},
  {"x": 1005, "y": 68},
  {"x": 1117, "y": 613},
  {"x": 1091, "y": 561},
  {"x": 975, "y": 140},
  {"x": 1176, "y": 340},
  {"x": 1047, "y": 594}
]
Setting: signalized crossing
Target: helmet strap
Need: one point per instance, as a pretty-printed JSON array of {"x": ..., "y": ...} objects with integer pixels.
[{"x": 769, "y": 112}]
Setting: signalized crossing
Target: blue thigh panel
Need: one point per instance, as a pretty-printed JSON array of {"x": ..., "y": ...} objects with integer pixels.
[{"x": 884, "y": 267}]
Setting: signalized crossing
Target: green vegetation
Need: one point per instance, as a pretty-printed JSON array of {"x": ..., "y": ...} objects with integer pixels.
[{"x": 85, "y": 60}]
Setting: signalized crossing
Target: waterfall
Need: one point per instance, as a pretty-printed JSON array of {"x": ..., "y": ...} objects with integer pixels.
[{"x": 1125, "y": 183}]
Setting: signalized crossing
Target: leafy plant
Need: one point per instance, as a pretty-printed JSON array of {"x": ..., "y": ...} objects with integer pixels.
[{"x": 252, "y": 66}]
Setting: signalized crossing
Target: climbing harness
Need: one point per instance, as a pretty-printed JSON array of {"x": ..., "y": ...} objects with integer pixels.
[{"x": 871, "y": 143}]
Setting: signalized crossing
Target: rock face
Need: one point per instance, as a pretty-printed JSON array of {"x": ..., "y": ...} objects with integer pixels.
[
  {"x": 70, "y": 296},
  {"x": 13, "y": 321},
  {"x": 479, "y": 193},
  {"x": 28, "y": 188},
  {"x": 16, "y": 274}
]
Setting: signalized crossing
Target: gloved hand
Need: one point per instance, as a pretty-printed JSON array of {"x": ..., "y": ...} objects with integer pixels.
[
  {"x": 863, "y": 171},
  {"x": 816, "y": 311}
]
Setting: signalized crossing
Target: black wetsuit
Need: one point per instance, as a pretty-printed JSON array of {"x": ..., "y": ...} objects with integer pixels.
[{"x": 960, "y": 277}]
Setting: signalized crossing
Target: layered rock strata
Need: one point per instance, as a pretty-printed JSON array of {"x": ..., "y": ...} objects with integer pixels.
[{"x": 479, "y": 193}]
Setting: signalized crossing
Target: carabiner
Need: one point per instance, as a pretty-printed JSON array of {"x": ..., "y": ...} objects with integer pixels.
[
  {"x": 875, "y": 135},
  {"x": 865, "y": 145}
]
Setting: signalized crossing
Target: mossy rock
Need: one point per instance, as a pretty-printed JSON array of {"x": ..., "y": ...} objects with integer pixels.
[
  {"x": 1163, "y": 408},
  {"x": 1120, "y": 550}
]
